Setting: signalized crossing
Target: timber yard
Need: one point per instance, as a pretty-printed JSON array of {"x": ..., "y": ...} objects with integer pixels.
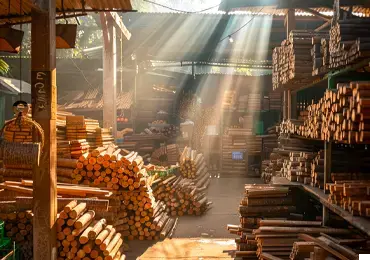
[{"x": 184, "y": 129}]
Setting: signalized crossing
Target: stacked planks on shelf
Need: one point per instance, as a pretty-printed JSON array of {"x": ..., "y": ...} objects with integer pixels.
[
  {"x": 292, "y": 62},
  {"x": 320, "y": 54}
]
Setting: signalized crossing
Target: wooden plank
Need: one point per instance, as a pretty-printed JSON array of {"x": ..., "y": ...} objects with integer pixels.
[
  {"x": 118, "y": 23},
  {"x": 43, "y": 83}
]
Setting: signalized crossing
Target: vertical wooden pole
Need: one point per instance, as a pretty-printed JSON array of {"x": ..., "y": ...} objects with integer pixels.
[
  {"x": 294, "y": 110},
  {"x": 289, "y": 104},
  {"x": 285, "y": 105},
  {"x": 109, "y": 74},
  {"x": 43, "y": 78},
  {"x": 327, "y": 162},
  {"x": 289, "y": 21}
]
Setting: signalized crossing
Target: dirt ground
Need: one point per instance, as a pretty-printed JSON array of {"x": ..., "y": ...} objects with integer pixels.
[{"x": 200, "y": 238}]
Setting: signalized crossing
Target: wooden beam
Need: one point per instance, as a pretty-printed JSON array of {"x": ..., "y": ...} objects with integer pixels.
[
  {"x": 289, "y": 21},
  {"x": 322, "y": 27},
  {"x": 317, "y": 14},
  {"x": 44, "y": 106},
  {"x": 118, "y": 23},
  {"x": 109, "y": 74}
]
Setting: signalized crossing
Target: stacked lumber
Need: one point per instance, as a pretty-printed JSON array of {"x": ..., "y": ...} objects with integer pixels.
[
  {"x": 63, "y": 149},
  {"x": 18, "y": 227},
  {"x": 292, "y": 62},
  {"x": 78, "y": 148},
  {"x": 100, "y": 137},
  {"x": 80, "y": 235},
  {"x": 166, "y": 155},
  {"x": 298, "y": 166},
  {"x": 275, "y": 100},
  {"x": 18, "y": 131},
  {"x": 320, "y": 54},
  {"x": 341, "y": 115},
  {"x": 182, "y": 196},
  {"x": 77, "y": 127},
  {"x": 347, "y": 44},
  {"x": 250, "y": 102},
  {"x": 192, "y": 164},
  {"x": 229, "y": 100},
  {"x": 269, "y": 142},
  {"x": 281, "y": 238}
]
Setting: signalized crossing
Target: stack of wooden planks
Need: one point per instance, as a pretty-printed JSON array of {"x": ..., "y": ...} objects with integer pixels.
[
  {"x": 182, "y": 196},
  {"x": 192, "y": 164},
  {"x": 100, "y": 137},
  {"x": 78, "y": 148},
  {"x": 320, "y": 54},
  {"x": 275, "y": 100},
  {"x": 298, "y": 167},
  {"x": 292, "y": 62},
  {"x": 80, "y": 235},
  {"x": 77, "y": 127},
  {"x": 341, "y": 115}
]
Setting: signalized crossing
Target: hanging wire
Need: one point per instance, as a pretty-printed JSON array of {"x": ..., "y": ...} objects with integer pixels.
[
  {"x": 182, "y": 11},
  {"x": 231, "y": 34}
]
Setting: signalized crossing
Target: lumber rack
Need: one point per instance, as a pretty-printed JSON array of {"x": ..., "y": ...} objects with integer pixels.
[{"x": 360, "y": 223}]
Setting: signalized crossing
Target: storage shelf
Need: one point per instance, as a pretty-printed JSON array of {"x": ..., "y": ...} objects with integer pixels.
[{"x": 361, "y": 223}]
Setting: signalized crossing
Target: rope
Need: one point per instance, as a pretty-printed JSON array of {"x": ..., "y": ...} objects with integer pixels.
[{"x": 20, "y": 56}]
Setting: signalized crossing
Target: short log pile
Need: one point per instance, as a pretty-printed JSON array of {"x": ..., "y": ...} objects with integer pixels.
[
  {"x": 80, "y": 235},
  {"x": 342, "y": 115},
  {"x": 192, "y": 164},
  {"x": 182, "y": 196},
  {"x": 166, "y": 155}
]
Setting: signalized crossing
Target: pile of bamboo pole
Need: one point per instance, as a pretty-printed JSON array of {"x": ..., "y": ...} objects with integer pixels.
[
  {"x": 192, "y": 164},
  {"x": 80, "y": 235},
  {"x": 18, "y": 227},
  {"x": 182, "y": 196}
]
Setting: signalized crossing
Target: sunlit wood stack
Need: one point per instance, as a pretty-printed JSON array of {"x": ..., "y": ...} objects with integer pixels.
[
  {"x": 99, "y": 137},
  {"x": 18, "y": 227},
  {"x": 78, "y": 148},
  {"x": 183, "y": 196},
  {"x": 342, "y": 115},
  {"x": 83, "y": 236},
  {"x": 192, "y": 164},
  {"x": 298, "y": 167},
  {"x": 18, "y": 132},
  {"x": 292, "y": 62},
  {"x": 78, "y": 127}
]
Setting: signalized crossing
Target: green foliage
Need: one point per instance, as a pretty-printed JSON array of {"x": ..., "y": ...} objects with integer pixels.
[{"x": 4, "y": 67}]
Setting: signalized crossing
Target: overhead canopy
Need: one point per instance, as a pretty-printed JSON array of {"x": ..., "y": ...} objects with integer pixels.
[
  {"x": 13, "y": 86},
  {"x": 20, "y": 11}
]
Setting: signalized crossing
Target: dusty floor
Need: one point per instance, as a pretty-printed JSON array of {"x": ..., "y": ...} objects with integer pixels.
[{"x": 200, "y": 238}]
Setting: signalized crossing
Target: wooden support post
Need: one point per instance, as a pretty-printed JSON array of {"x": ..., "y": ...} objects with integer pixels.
[
  {"x": 293, "y": 101},
  {"x": 327, "y": 163},
  {"x": 289, "y": 104},
  {"x": 289, "y": 21},
  {"x": 285, "y": 105},
  {"x": 44, "y": 108},
  {"x": 109, "y": 73}
]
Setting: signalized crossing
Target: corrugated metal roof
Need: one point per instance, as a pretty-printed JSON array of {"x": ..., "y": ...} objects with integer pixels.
[
  {"x": 13, "y": 86},
  {"x": 20, "y": 10}
]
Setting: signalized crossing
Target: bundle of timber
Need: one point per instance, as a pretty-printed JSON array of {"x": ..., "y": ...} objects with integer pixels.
[
  {"x": 132, "y": 200},
  {"x": 63, "y": 149},
  {"x": 320, "y": 54},
  {"x": 78, "y": 148},
  {"x": 82, "y": 236},
  {"x": 347, "y": 44},
  {"x": 269, "y": 142},
  {"x": 292, "y": 62},
  {"x": 182, "y": 196},
  {"x": 352, "y": 195},
  {"x": 281, "y": 238},
  {"x": 100, "y": 137},
  {"x": 275, "y": 100},
  {"x": 78, "y": 127},
  {"x": 18, "y": 227},
  {"x": 292, "y": 158},
  {"x": 229, "y": 100},
  {"x": 166, "y": 155},
  {"x": 341, "y": 115},
  {"x": 192, "y": 164},
  {"x": 250, "y": 102}
]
